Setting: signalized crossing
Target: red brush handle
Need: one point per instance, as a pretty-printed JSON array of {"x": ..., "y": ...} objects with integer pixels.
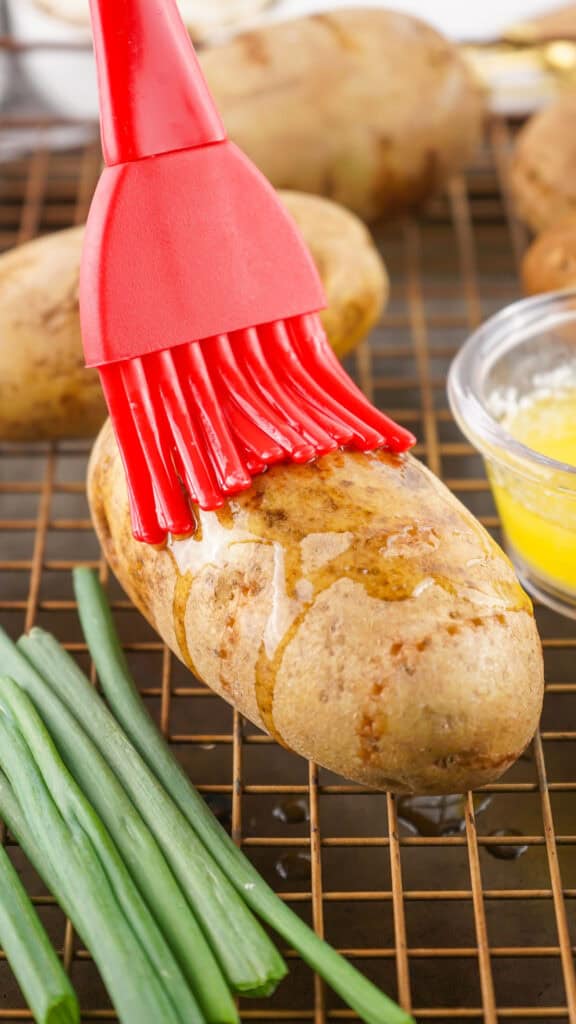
[{"x": 153, "y": 96}]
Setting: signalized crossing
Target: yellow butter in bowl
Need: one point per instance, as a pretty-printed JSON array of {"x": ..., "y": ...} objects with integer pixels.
[
  {"x": 540, "y": 520},
  {"x": 512, "y": 390}
]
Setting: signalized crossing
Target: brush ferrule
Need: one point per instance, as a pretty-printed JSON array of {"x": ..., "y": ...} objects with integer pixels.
[{"x": 153, "y": 96}]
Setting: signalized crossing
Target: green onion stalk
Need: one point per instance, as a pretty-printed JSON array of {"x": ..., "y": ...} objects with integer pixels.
[
  {"x": 371, "y": 1005},
  {"x": 137, "y": 967},
  {"x": 37, "y": 969},
  {"x": 250, "y": 961},
  {"x": 136, "y": 843}
]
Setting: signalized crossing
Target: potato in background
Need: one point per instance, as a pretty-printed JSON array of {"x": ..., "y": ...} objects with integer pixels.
[
  {"x": 543, "y": 169},
  {"x": 550, "y": 263},
  {"x": 369, "y": 107},
  {"x": 46, "y": 392}
]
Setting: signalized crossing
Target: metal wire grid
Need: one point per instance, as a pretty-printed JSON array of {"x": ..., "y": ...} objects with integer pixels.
[{"x": 434, "y": 918}]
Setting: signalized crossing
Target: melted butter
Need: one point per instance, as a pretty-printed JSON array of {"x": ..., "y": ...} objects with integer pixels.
[
  {"x": 340, "y": 518},
  {"x": 438, "y": 815},
  {"x": 411, "y": 540},
  {"x": 281, "y": 613},
  {"x": 179, "y": 608},
  {"x": 426, "y": 583},
  {"x": 208, "y": 546},
  {"x": 317, "y": 549},
  {"x": 266, "y": 673},
  {"x": 539, "y": 515},
  {"x": 513, "y": 596}
]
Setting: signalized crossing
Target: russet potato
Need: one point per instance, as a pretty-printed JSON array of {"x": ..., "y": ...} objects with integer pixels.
[
  {"x": 349, "y": 264},
  {"x": 45, "y": 391},
  {"x": 370, "y": 107},
  {"x": 543, "y": 165},
  {"x": 353, "y": 609},
  {"x": 549, "y": 264}
]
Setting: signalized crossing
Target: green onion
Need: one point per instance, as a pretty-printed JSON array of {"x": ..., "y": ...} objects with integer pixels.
[
  {"x": 250, "y": 961},
  {"x": 38, "y": 970},
  {"x": 12, "y": 815},
  {"x": 369, "y": 1003},
  {"x": 134, "y": 840},
  {"x": 137, "y": 967}
]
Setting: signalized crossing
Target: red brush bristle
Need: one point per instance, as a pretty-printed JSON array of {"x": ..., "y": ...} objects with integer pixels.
[{"x": 197, "y": 422}]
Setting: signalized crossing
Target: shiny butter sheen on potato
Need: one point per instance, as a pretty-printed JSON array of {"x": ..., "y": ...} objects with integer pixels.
[{"x": 352, "y": 608}]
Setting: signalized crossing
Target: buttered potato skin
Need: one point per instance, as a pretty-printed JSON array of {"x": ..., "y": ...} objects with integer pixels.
[{"x": 353, "y": 609}]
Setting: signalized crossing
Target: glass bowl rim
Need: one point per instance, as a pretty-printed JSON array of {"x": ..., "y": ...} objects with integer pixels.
[{"x": 476, "y": 422}]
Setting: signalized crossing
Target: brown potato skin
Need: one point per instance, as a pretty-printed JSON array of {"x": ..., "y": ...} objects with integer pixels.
[
  {"x": 543, "y": 169},
  {"x": 354, "y": 609},
  {"x": 372, "y": 108},
  {"x": 45, "y": 391},
  {"x": 350, "y": 266},
  {"x": 550, "y": 262}
]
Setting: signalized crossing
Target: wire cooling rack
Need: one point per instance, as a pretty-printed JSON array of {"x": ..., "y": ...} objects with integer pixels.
[{"x": 462, "y": 908}]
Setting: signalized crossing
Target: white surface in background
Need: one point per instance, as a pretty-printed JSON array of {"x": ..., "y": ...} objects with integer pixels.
[
  {"x": 207, "y": 12},
  {"x": 461, "y": 19},
  {"x": 4, "y": 59},
  {"x": 64, "y": 80}
]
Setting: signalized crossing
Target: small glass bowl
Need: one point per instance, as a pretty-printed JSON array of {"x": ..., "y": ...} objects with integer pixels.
[{"x": 530, "y": 347}]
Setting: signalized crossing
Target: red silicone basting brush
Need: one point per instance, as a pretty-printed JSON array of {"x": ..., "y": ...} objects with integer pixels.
[{"x": 199, "y": 299}]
